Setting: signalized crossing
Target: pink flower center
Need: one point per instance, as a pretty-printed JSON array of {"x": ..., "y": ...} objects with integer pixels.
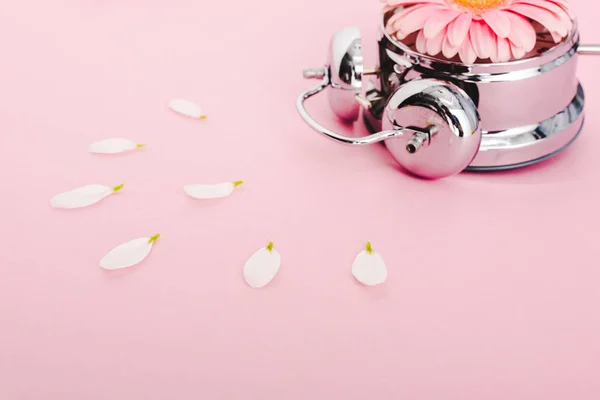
[{"x": 478, "y": 7}]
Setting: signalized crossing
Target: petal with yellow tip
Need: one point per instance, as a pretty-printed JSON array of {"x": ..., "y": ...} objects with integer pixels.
[
  {"x": 187, "y": 108},
  {"x": 113, "y": 146},
  {"x": 128, "y": 254},
  {"x": 369, "y": 268},
  {"x": 83, "y": 196},
  {"x": 211, "y": 191},
  {"x": 262, "y": 266}
]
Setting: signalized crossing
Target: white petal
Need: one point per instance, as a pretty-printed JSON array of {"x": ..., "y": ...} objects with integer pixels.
[
  {"x": 369, "y": 268},
  {"x": 83, "y": 196},
  {"x": 113, "y": 146},
  {"x": 128, "y": 254},
  {"x": 215, "y": 191},
  {"x": 186, "y": 108},
  {"x": 262, "y": 266}
]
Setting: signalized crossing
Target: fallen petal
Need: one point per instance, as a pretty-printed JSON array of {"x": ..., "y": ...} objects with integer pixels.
[
  {"x": 186, "y": 108},
  {"x": 83, "y": 196},
  {"x": 113, "y": 146},
  {"x": 128, "y": 254},
  {"x": 369, "y": 268},
  {"x": 214, "y": 191},
  {"x": 262, "y": 266}
]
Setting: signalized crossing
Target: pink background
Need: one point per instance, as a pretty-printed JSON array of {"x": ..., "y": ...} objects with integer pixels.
[{"x": 493, "y": 288}]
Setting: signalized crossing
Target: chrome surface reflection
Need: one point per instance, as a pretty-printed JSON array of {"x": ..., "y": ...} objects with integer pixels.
[
  {"x": 438, "y": 117},
  {"x": 452, "y": 122}
]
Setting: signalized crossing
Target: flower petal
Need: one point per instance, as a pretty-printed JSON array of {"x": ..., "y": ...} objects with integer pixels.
[
  {"x": 556, "y": 37},
  {"x": 483, "y": 39},
  {"x": 566, "y": 6},
  {"x": 503, "y": 52},
  {"x": 551, "y": 21},
  {"x": 395, "y": 3},
  {"x": 262, "y": 266},
  {"x": 517, "y": 52},
  {"x": 459, "y": 29},
  {"x": 438, "y": 21},
  {"x": 400, "y": 35},
  {"x": 498, "y": 21},
  {"x": 434, "y": 45},
  {"x": 113, "y": 146},
  {"x": 83, "y": 196},
  {"x": 128, "y": 254},
  {"x": 393, "y": 24},
  {"x": 448, "y": 50},
  {"x": 186, "y": 108},
  {"x": 413, "y": 21},
  {"x": 421, "y": 43},
  {"x": 467, "y": 52},
  {"x": 560, "y": 12},
  {"x": 212, "y": 191},
  {"x": 369, "y": 268},
  {"x": 522, "y": 32}
]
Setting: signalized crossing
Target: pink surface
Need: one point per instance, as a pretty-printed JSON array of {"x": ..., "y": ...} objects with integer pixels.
[{"x": 493, "y": 279}]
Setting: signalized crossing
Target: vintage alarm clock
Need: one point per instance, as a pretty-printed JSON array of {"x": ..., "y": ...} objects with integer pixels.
[{"x": 439, "y": 117}]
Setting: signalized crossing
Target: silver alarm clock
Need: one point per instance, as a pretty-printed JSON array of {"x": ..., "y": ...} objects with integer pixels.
[{"x": 439, "y": 117}]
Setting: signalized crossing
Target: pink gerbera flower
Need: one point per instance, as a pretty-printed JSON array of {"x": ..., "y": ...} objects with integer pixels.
[{"x": 499, "y": 30}]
